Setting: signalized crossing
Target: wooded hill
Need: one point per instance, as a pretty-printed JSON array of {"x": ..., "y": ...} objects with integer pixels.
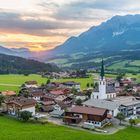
[{"x": 17, "y": 65}]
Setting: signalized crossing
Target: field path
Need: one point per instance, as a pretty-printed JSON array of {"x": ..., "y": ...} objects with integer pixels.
[{"x": 12, "y": 85}]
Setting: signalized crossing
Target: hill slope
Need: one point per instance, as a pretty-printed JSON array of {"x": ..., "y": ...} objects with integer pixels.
[
  {"x": 116, "y": 39},
  {"x": 13, "y": 64}
]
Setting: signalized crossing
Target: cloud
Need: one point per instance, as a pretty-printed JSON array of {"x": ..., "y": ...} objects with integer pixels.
[
  {"x": 82, "y": 10},
  {"x": 33, "y": 25}
]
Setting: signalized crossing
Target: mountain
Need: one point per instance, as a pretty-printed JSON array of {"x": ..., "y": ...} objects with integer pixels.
[
  {"x": 118, "y": 33},
  {"x": 22, "y": 52},
  {"x": 117, "y": 38},
  {"x": 17, "y": 65}
]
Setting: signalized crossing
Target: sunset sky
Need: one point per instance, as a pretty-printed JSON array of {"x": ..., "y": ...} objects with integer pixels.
[{"x": 43, "y": 24}]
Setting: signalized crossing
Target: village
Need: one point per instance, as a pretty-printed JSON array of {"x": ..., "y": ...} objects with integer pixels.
[{"x": 109, "y": 106}]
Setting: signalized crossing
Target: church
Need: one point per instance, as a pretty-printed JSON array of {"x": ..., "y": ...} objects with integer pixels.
[{"x": 104, "y": 90}]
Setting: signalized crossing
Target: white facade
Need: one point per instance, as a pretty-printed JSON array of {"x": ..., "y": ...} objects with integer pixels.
[
  {"x": 102, "y": 94},
  {"x": 30, "y": 109},
  {"x": 31, "y": 86}
]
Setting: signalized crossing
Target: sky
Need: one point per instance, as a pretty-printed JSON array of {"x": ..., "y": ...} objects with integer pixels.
[{"x": 44, "y": 24}]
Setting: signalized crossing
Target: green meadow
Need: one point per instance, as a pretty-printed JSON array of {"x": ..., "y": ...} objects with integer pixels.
[
  {"x": 13, "y": 81},
  {"x": 11, "y": 129}
]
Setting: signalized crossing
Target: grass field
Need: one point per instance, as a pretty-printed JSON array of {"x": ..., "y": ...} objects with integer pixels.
[
  {"x": 17, "y": 80},
  {"x": 11, "y": 129}
]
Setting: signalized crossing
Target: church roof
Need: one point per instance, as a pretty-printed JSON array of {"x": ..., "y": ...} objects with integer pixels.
[{"x": 102, "y": 74}]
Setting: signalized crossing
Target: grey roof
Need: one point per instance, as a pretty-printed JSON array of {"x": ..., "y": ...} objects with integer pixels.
[
  {"x": 127, "y": 101},
  {"x": 101, "y": 104},
  {"x": 57, "y": 113}
]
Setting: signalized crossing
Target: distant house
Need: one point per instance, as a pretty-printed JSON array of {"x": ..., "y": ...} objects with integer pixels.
[
  {"x": 31, "y": 84},
  {"x": 14, "y": 105},
  {"x": 71, "y": 84},
  {"x": 95, "y": 116},
  {"x": 59, "y": 91},
  {"x": 8, "y": 93}
]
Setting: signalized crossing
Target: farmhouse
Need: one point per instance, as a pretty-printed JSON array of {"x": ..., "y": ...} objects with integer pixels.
[
  {"x": 77, "y": 114},
  {"x": 14, "y": 105}
]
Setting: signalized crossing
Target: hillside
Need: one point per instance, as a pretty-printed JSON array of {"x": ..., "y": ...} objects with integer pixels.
[
  {"x": 115, "y": 40},
  {"x": 18, "y": 65}
]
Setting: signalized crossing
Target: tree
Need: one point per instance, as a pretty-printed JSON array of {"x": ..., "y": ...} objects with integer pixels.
[
  {"x": 25, "y": 115},
  {"x": 78, "y": 102},
  {"x": 120, "y": 76},
  {"x": 48, "y": 81},
  {"x": 132, "y": 122},
  {"x": 1, "y": 99},
  {"x": 74, "y": 91},
  {"x": 87, "y": 85},
  {"x": 121, "y": 117},
  {"x": 96, "y": 85},
  {"x": 91, "y": 84}
]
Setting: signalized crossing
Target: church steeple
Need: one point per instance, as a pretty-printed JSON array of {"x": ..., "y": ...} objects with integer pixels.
[{"x": 102, "y": 74}]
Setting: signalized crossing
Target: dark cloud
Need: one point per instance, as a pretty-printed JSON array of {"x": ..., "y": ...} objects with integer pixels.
[{"x": 15, "y": 23}]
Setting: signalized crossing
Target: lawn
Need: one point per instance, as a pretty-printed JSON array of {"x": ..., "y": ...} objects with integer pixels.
[
  {"x": 17, "y": 80},
  {"x": 11, "y": 129}
]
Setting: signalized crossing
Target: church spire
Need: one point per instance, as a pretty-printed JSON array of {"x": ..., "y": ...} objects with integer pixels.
[{"x": 102, "y": 74}]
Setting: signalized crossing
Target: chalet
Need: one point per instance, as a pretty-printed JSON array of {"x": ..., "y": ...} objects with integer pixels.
[
  {"x": 14, "y": 105},
  {"x": 77, "y": 114},
  {"x": 8, "y": 93},
  {"x": 31, "y": 84}
]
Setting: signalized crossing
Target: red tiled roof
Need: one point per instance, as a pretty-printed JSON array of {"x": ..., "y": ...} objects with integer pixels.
[{"x": 8, "y": 93}]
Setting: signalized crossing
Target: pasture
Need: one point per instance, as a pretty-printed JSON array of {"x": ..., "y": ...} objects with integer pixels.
[{"x": 11, "y": 129}]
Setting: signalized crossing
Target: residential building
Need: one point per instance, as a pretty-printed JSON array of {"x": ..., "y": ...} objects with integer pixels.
[
  {"x": 31, "y": 84},
  {"x": 128, "y": 105},
  {"x": 77, "y": 114},
  {"x": 14, "y": 105}
]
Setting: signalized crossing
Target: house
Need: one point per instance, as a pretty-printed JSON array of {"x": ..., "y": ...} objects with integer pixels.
[
  {"x": 14, "y": 105},
  {"x": 31, "y": 84},
  {"x": 104, "y": 90},
  {"x": 70, "y": 85},
  {"x": 36, "y": 95},
  {"x": 128, "y": 105},
  {"x": 112, "y": 107},
  {"x": 59, "y": 91},
  {"x": 8, "y": 93},
  {"x": 82, "y": 97},
  {"x": 77, "y": 114}
]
